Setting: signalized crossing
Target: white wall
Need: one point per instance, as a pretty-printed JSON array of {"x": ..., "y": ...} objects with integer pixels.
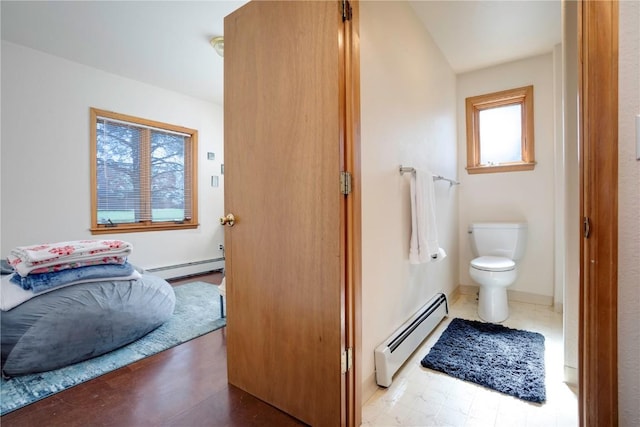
[
  {"x": 45, "y": 154},
  {"x": 408, "y": 117},
  {"x": 629, "y": 218},
  {"x": 569, "y": 241},
  {"x": 559, "y": 184},
  {"x": 513, "y": 196}
]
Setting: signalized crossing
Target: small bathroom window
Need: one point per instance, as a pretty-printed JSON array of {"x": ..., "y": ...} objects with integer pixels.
[{"x": 500, "y": 131}]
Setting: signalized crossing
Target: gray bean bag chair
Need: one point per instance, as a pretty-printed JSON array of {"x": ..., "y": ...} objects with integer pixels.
[{"x": 82, "y": 321}]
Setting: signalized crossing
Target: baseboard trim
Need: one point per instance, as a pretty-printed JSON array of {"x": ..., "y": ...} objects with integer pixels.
[
  {"x": 512, "y": 295},
  {"x": 369, "y": 387},
  {"x": 530, "y": 298},
  {"x": 571, "y": 376},
  {"x": 187, "y": 269},
  {"x": 558, "y": 307},
  {"x": 467, "y": 290},
  {"x": 453, "y": 296}
]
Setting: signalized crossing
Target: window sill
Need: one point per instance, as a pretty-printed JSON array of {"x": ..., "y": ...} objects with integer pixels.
[
  {"x": 509, "y": 167},
  {"x": 135, "y": 228}
]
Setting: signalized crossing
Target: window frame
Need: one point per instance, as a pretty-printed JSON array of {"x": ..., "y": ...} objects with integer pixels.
[
  {"x": 522, "y": 96},
  {"x": 147, "y": 225}
]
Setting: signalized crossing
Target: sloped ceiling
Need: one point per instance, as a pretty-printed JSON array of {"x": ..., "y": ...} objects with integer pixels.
[
  {"x": 163, "y": 43},
  {"x": 478, "y": 34},
  {"x": 166, "y": 43}
]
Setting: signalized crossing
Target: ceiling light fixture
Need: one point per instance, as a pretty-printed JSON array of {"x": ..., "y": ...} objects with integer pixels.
[{"x": 218, "y": 45}]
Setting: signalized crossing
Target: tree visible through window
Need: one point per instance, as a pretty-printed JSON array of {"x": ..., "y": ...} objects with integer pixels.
[
  {"x": 500, "y": 131},
  {"x": 143, "y": 174}
]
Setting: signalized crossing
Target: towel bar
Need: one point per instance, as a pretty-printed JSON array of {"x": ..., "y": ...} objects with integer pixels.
[{"x": 404, "y": 169}]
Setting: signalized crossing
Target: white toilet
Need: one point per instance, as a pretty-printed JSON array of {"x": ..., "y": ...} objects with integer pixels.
[{"x": 497, "y": 246}]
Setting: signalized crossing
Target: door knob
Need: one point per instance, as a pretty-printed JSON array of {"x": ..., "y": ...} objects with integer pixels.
[{"x": 228, "y": 220}]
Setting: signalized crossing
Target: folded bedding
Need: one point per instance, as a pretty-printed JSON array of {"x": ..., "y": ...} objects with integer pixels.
[
  {"x": 12, "y": 295},
  {"x": 76, "y": 264},
  {"x": 44, "y": 281},
  {"x": 67, "y": 255}
]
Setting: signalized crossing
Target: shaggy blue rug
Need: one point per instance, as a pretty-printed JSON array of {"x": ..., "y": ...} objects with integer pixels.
[
  {"x": 196, "y": 313},
  {"x": 508, "y": 360}
]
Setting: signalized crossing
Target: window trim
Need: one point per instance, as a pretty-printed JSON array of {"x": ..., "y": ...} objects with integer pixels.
[
  {"x": 522, "y": 96},
  {"x": 190, "y": 157}
]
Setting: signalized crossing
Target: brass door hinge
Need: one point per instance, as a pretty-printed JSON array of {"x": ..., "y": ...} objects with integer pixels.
[
  {"x": 345, "y": 183},
  {"x": 346, "y": 360},
  {"x": 346, "y": 11}
]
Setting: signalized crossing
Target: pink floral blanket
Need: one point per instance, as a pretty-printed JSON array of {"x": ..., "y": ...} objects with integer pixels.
[{"x": 72, "y": 254}]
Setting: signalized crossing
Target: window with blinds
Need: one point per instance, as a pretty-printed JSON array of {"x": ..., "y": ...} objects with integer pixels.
[{"x": 143, "y": 174}]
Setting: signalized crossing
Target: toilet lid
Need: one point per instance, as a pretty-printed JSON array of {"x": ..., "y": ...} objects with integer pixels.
[{"x": 493, "y": 263}]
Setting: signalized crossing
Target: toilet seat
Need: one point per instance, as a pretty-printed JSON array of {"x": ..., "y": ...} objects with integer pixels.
[{"x": 493, "y": 263}]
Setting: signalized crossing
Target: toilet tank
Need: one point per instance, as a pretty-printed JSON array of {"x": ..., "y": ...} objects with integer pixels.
[{"x": 505, "y": 239}]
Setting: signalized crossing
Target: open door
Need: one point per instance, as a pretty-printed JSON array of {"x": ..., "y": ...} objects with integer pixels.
[{"x": 288, "y": 248}]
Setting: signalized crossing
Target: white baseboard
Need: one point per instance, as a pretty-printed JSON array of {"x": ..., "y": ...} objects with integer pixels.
[
  {"x": 453, "y": 296},
  {"x": 571, "y": 376},
  {"x": 369, "y": 387},
  {"x": 467, "y": 290},
  {"x": 187, "y": 269},
  {"x": 518, "y": 296}
]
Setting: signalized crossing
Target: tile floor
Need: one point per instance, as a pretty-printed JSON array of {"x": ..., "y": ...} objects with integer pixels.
[{"x": 421, "y": 397}]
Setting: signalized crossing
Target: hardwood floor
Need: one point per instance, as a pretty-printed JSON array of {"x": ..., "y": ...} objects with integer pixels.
[{"x": 183, "y": 386}]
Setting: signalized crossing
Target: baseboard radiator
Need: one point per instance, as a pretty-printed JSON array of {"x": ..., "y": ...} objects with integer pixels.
[
  {"x": 187, "y": 269},
  {"x": 391, "y": 354}
]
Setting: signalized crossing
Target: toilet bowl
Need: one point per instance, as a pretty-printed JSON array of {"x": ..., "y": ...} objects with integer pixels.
[
  {"x": 497, "y": 246},
  {"x": 494, "y": 275}
]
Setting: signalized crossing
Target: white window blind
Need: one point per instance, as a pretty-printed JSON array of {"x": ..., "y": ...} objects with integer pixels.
[{"x": 142, "y": 174}]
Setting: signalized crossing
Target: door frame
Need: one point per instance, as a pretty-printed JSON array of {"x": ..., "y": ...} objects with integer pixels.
[
  {"x": 598, "y": 142},
  {"x": 353, "y": 279}
]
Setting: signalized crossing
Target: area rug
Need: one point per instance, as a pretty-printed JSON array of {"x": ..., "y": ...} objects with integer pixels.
[
  {"x": 508, "y": 360},
  {"x": 196, "y": 313}
]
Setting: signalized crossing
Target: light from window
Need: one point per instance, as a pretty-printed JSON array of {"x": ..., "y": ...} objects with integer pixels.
[
  {"x": 143, "y": 174},
  {"x": 501, "y": 135},
  {"x": 500, "y": 131}
]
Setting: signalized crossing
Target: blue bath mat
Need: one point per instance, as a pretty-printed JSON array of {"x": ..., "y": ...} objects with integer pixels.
[{"x": 508, "y": 360}]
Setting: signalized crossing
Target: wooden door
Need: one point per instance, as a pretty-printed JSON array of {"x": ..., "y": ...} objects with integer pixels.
[
  {"x": 598, "y": 342},
  {"x": 284, "y": 125}
]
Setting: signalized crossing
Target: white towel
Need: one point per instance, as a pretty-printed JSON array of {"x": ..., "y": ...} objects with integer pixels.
[{"x": 424, "y": 246}]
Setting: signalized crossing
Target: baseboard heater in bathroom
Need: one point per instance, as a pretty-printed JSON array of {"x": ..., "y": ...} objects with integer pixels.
[{"x": 391, "y": 354}]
